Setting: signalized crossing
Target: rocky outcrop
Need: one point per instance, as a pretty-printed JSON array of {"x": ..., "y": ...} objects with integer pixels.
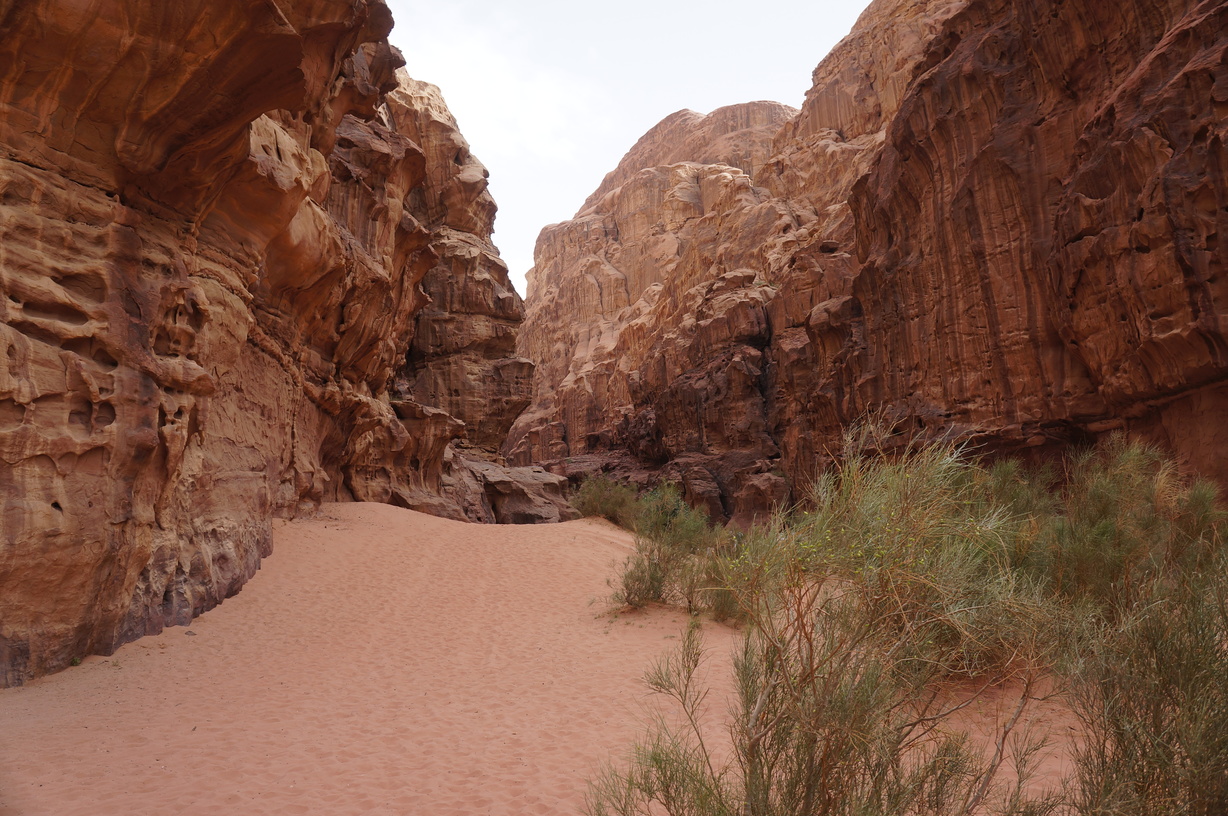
[
  {"x": 463, "y": 355},
  {"x": 214, "y": 220},
  {"x": 737, "y": 135},
  {"x": 990, "y": 221},
  {"x": 659, "y": 315},
  {"x": 461, "y": 384},
  {"x": 643, "y": 294}
]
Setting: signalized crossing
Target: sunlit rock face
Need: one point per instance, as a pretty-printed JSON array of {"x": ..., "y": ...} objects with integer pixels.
[
  {"x": 990, "y": 221},
  {"x": 214, "y": 220}
]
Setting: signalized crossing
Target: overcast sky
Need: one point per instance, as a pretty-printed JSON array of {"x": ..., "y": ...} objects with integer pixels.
[{"x": 551, "y": 94}]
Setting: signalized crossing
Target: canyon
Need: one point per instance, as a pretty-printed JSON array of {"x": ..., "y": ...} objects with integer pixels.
[
  {"x": 990, "y": 222},
  {"x": 247, "y": 268}
]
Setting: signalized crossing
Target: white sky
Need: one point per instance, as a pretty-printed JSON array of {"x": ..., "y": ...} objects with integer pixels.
[{"x": 551, "y": 94}]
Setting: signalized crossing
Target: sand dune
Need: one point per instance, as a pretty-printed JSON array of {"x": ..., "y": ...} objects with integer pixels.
[{"x": 381, "y": 662}]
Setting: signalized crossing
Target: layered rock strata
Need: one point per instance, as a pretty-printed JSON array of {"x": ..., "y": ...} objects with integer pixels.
[
  {"x": 991, "y": 221},
  {"x": 214, "y": 219}
]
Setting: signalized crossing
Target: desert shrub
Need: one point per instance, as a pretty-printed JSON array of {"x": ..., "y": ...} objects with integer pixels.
[
  {"x": 1125, "y": 519},
  {"x": 833, "y": 718},
  {"x": 1145, "y": 549},
  {"x": 921, "y": 537},
  {"x": 1013, "y": 559},
  {"x": 665, "y": 517},
  {"x": 643, "y": 578},
  {"x": 676, "y": 548},
  {"x": 1026, "y": 492},
  {"x": 1106, "y": 577},
  {"x": 750, "y": 569},
  {"x": 610, "y": 499},
  {"x": 1153, "y": 700}
]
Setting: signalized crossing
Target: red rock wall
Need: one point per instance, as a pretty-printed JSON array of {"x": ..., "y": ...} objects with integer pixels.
[
  {"x": 991, "y": 220},
  {"x": 463, "y": 357},
  {"x": 1052, "y": 278},
  {"x": 214, "y": 219}
]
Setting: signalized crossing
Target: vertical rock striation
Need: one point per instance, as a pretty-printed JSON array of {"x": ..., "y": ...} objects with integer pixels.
[
  {"x": 1050, "y": 279},
  {"x": 463, "y": 355},
  {"x": 992, "y": 221},
  {"x": 214, "y": 219}
]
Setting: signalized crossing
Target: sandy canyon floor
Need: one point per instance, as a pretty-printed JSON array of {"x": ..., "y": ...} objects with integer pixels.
[{"x": 381, "y": 662}]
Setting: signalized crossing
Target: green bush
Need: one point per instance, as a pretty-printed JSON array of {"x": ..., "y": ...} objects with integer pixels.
[
  {"x": 1153, "y": 700},
  {"x": 643, "y": 579},
  {"x": 675, "y": 550},
  {"x": 610, "y": 499},
  {"x": 1124, "y": 520},
  {"x": 923, "y": 538},
  {"x": 1106, "y": 577},
  {"x": 666, "y": 517},
  {"x": 832, "y": 719}
]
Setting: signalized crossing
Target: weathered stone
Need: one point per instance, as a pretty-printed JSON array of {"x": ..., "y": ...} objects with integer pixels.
[
  {"x": 525, "y": 495},
  {"x": 990, "y": 221},
  {"x": 214, "y": 219},
  {"x": 463, "y": 355}
]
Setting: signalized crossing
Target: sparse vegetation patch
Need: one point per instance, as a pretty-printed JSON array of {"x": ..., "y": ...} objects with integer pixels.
[{"x": 1103, "y": 580}]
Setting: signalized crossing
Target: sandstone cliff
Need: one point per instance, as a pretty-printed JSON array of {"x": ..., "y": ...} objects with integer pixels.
[
  {"x": 991, "y": 220},
  {"x": 214, "y": 219}
]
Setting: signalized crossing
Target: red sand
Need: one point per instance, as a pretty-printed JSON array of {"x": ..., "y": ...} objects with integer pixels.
[{"x": 381, "y": 662}]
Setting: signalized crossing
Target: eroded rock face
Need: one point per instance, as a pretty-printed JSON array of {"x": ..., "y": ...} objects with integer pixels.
[
  {"x": 461, "y": 385},
  {"x": 648, "y": 327},
  {"x": 214, "y": 220},
  {"x": 991, "y": 221},
  {"x": 463, "y": 355}
]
